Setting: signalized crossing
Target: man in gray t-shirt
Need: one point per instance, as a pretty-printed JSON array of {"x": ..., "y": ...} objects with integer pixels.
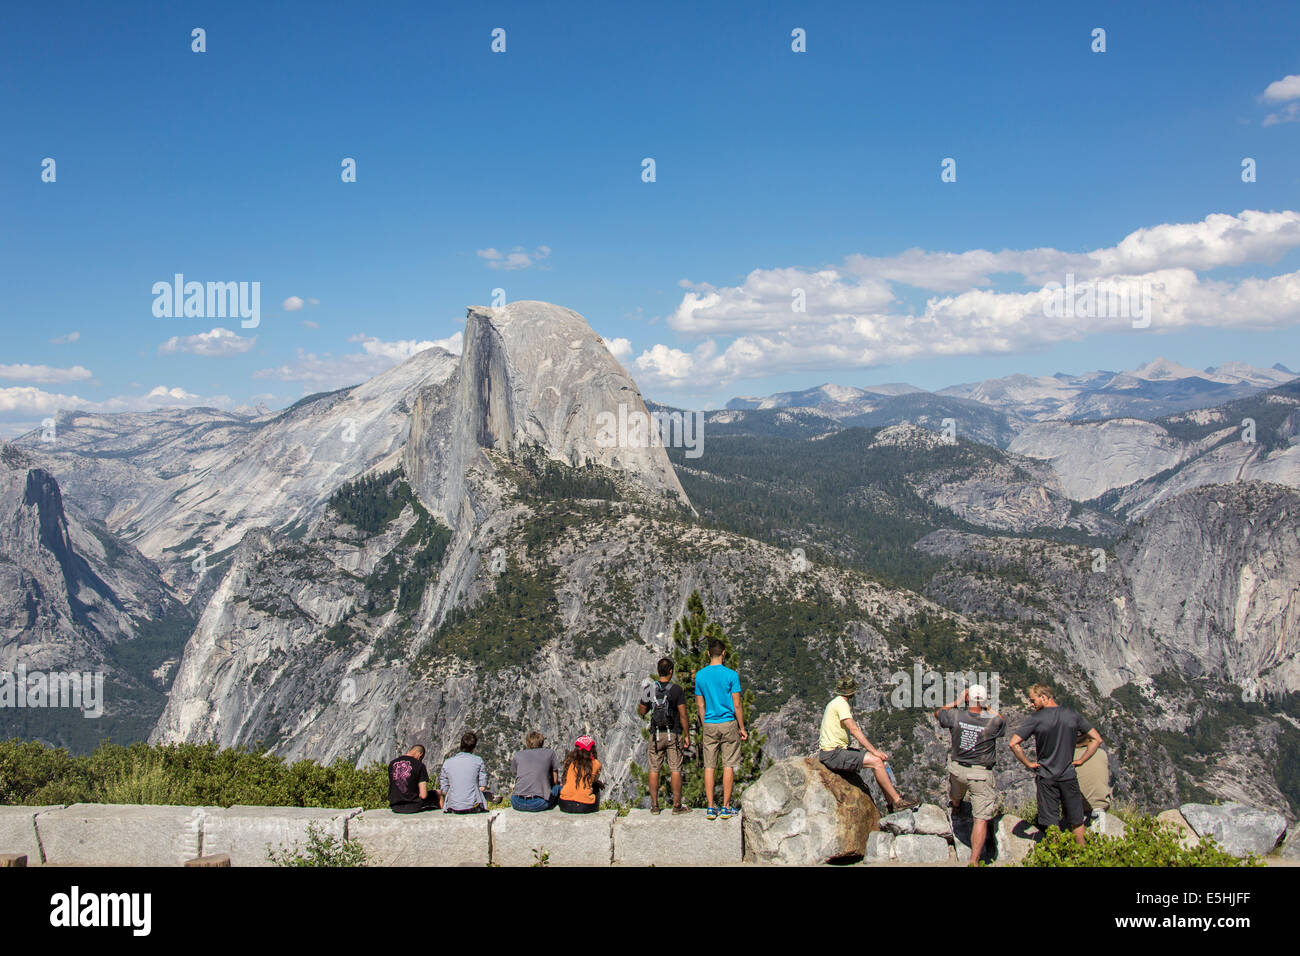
[
  {"x": 537, "y": 775},
  {"x": 975, "y": 731},
  {"x": 1054, "y": 729}
]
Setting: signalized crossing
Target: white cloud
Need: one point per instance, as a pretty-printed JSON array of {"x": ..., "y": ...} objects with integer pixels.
[
  {"x": 219, "y": 343},
  {"x": 291, "y": 304},
  {"x": 309, "y": 324},
  {"x": 852, "y": 319},
  {"x": 44, "y": 374},
  {"x": 24, "y": 405},
  {"x": 621, "y": 349},
  {"x": 1287, "y": 88},
  {"x": 65, "y": 339},
  {"x": 517, "y": 258},
  {"x": 1288, "y": 114}
]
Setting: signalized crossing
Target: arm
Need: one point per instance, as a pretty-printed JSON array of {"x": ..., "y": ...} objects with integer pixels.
[
  {"x": 960, "y": 701},
  {"x": 856, "y": 733},
  {"x": 740, "y": 715},
  {"x": 686, "y": 724},
  {"x": 1014, "y": 743},
  {"x": 424, "y": 790},
  {"x": 699, "y": 706},
  {"x": 642, "y": 709},
  {"x": 1094, "y": 741}
]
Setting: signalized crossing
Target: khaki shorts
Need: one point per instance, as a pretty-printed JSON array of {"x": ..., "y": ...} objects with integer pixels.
[
  {"x": 668, "y": 745},
  {"x": 724, "y": 740},
  {"x": 978, "y": 781}
]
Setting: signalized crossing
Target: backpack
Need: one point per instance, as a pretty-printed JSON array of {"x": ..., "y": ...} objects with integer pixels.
[{"x": 661, "y": 713}]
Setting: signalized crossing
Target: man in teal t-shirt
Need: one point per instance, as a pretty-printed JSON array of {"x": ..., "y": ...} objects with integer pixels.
[{"x": 717, "y": 699}]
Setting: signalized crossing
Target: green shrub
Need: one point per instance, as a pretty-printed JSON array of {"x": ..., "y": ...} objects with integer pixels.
[
  {"x": 1146, "y": 842},
  {"x": 322, "y": 849}
]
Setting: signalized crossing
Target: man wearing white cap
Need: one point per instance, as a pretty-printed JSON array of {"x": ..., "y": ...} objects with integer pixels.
[{"x": 975, "y": 731}]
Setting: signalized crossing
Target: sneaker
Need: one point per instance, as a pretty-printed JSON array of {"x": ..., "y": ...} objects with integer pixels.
[
  {"x": 711, "y": 813},
  {"x": 727, "y": 813},
  {"x": 656, "y": 809},
  {"x": 682, "y": 809}
]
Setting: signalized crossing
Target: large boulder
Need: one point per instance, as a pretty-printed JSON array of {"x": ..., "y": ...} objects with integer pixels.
[
  {"x": 1291, "y": 848},
  {"x": 798, "y": 812},
  {"x": 1014, "y": 838},
  {"x": 1239, "y": 829},
  {"x": 1186, "y": 835}
]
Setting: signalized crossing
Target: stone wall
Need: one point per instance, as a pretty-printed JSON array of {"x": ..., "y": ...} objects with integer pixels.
[{"x": 128, "y": 835}]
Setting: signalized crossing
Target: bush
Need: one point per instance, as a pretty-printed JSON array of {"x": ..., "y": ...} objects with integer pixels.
[
  {"x": 322, "y": 849},
  {"x": 1146, "y": 842}
]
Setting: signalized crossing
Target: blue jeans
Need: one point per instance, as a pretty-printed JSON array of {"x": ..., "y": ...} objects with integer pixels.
[{"x": 535, "y": 804}]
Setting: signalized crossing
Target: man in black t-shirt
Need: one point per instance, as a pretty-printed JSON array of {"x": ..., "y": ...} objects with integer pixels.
[
  {"x": 670, "y": 731},
  {"x": 1054, "y": 729},
  {"x": 408, "y": 783},
  {"x": 975, "y": 732}
]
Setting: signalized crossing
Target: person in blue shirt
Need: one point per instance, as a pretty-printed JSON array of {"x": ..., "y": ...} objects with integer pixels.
[{"x": 717, "y": 699}]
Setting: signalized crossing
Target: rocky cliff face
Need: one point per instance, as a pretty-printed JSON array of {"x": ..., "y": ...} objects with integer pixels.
[
  {"x": 73, "y": 598},
  {"x": 531, "y": 375},
  {"x": 177, "y": 485}
]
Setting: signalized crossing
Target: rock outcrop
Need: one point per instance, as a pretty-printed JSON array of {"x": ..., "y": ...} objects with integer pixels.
[
  {"x": 798, "y": 812},
  {"x": 1238, "y": 829}
]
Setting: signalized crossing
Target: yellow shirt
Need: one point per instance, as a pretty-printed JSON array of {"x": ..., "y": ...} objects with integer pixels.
[{"x": 833, "y": 735}]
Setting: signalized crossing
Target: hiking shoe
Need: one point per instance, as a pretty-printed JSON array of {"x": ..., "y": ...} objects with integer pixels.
[
  {"x": 656, "y": 809},
  {"x": 905, "y": 805},
  {"x": 682, "y": 809},
  {"x": 711, "y": 813},
  {"x": 727, "y": 813}
]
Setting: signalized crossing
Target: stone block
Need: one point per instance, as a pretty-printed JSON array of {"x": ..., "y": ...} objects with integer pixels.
[
  {"x": 109, "y": 834},
  {"x": 1014, "y": 837},
  {"x": 18, "y": 830},
  {"x": 218, "y": 860},
  {"x": 1186, "y": 835},
  {"x": 567, "y": 839},
  {"x": 431, "y": 838},
  {"x": 245, "y": 832},
  {"x": 799, "y": 812},
  {"x": 880, "y": 847},
  {"x": 932, "y": 820},
  {"x": 920, "y": 848},
  {"x": 645, "y": 839}
]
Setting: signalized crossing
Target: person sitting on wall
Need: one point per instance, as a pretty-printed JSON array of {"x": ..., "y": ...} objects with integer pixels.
[
  {"x": 462, "y": 782},
  {"x": 581, "y": 790},
  {"x": 408, "y": 783}
]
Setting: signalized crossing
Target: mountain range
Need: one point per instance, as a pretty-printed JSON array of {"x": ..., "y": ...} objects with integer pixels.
[{"x": 455, "y": 543}]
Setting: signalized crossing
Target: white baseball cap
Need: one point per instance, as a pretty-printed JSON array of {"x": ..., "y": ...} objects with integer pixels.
[{"x": 978, "y": 695}]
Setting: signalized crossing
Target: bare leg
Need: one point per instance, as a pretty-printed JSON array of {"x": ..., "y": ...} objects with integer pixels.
[
  {"x": 708, "y": 785},
  {"x": 677, "y": 789},
  {"x": 1079, "y": 837},
  {"x": 882, "y": 777},
  {"x": 654, "y": 788},
  {"x": 979, "y": 832},
  {"x": 728, "y": 781}
]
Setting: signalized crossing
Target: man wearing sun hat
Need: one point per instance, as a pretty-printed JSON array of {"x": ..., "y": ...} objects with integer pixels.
[{"x": 833, "y": 744}]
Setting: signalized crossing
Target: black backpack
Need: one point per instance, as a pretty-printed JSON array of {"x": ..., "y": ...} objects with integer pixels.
[{"x": 661, "y": 713}]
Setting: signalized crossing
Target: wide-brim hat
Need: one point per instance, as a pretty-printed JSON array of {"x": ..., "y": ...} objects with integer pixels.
[{"x": 847, "y": 687}]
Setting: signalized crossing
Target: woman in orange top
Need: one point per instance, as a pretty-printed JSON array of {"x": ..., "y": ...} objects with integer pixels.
[{"x": 581, "y": 790}]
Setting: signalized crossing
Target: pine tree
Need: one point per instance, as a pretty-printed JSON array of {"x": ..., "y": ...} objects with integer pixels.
[{"x": 692, "y": 634}]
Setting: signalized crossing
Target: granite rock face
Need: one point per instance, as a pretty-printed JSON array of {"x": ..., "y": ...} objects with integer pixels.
[
  {"x": 1238, "y": 829},
  {"x": 800, "y": 813},
  {"x": 531, "y": 374}
]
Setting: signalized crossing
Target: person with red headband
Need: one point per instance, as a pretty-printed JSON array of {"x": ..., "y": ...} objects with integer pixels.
[{"x": 581, "y": 790}]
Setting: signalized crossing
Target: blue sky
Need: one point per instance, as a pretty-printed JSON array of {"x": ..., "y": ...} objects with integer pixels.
[{"x": 772, "y": 167}]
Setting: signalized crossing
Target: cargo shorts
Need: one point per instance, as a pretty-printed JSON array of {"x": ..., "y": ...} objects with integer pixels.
[
  {"x": 722, "y": 740},
  {"x": 665, "y": 745},
  {"x": 978, "y": 782}
]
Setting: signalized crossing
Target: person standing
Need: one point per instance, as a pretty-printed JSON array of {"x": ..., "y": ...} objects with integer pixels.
[
  {"x": 975, "y": 732},
  {"x": 537, "y": 775},
  {"x": 833, "y": 748},
  {"x": 670, "y": 732},
  {"x": 722, "y": 723},
  {"x": 462, "y": 780},
  {"x": 1054, "y": 729},
  {"x": 408, "y": 783},
  {"x": 1094, "y": 778}
]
